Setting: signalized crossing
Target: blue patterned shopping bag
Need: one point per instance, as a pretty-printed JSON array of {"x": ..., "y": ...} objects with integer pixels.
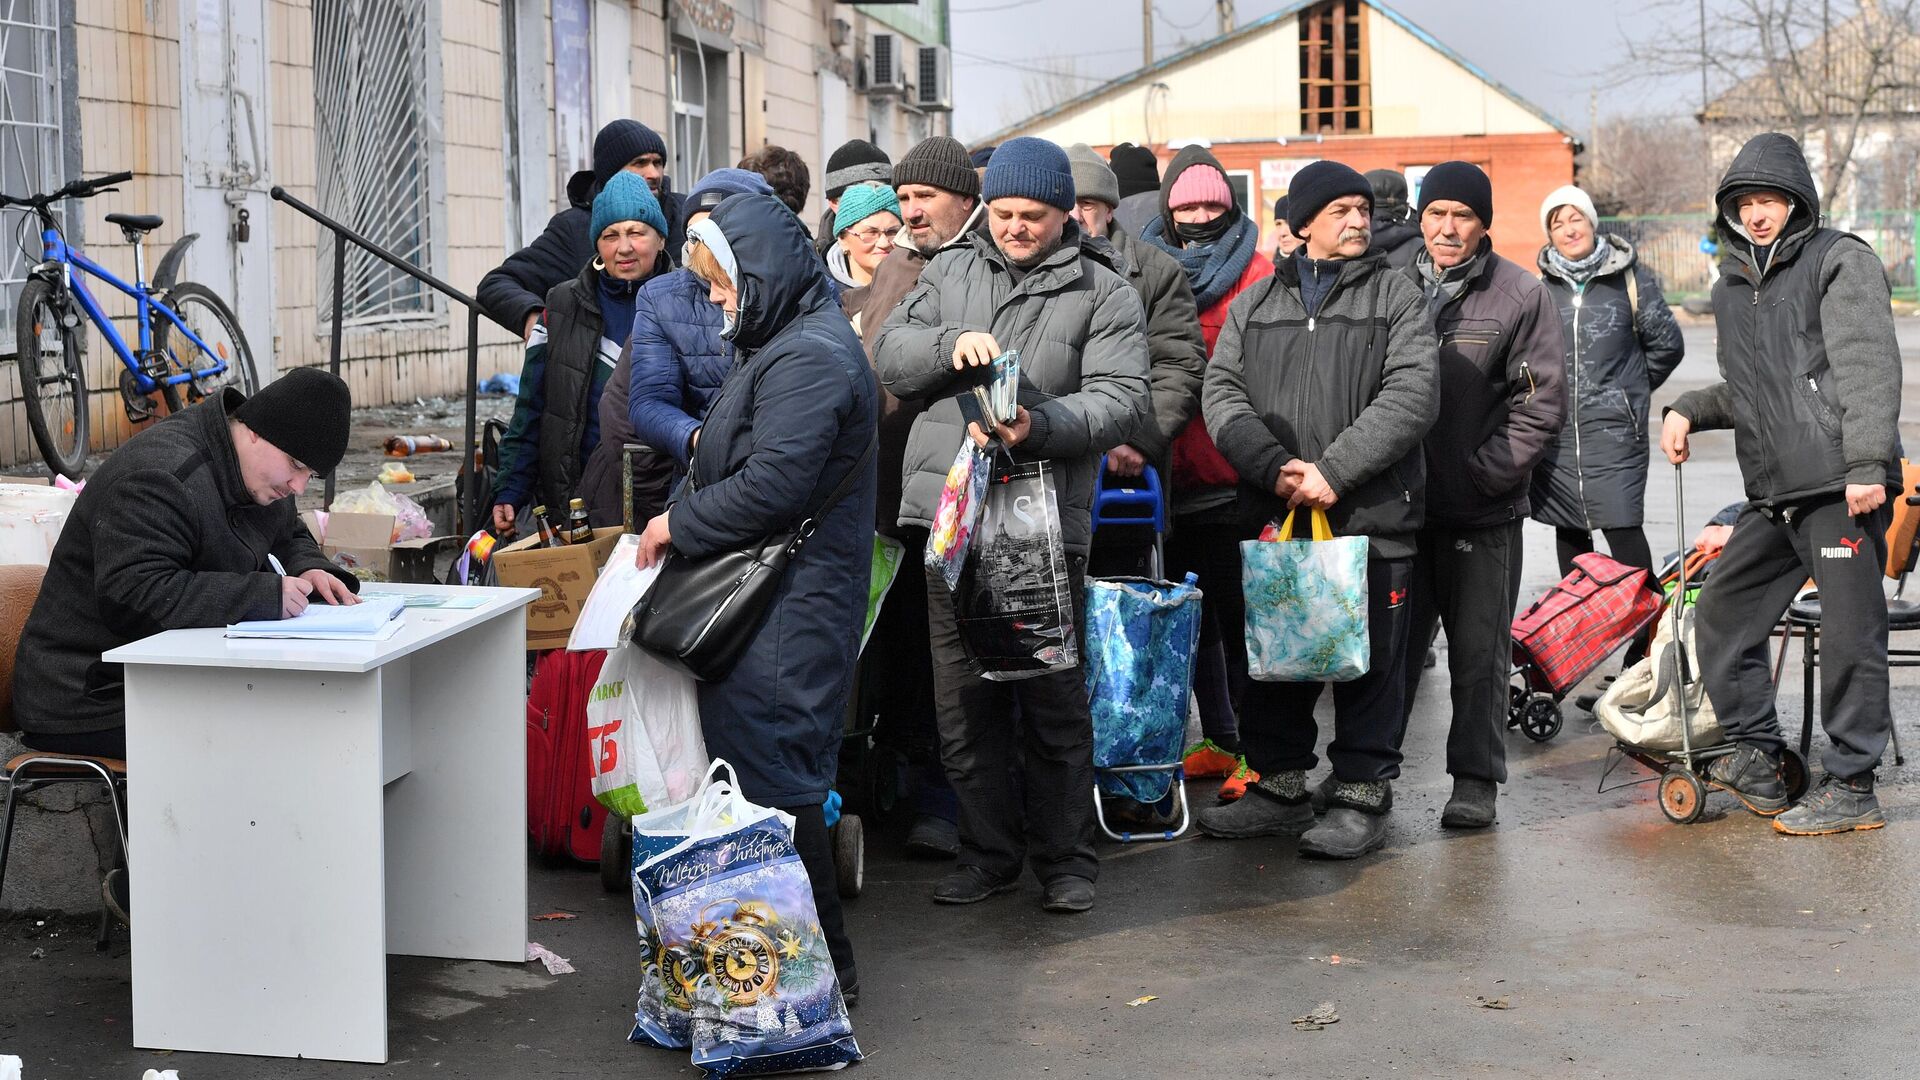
[
  {"x": 1306, "y": 605},
  {"x": 1140, "y": 641}
]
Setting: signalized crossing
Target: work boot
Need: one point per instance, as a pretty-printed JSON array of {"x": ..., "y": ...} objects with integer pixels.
[
  {"x": 1837, "y": 805},
  {"x": 1276, "y": 806},
  {"x": 1472, "y": 804},
  {"x": 968, "y": 885},
  {"x": 933, "y": 837},
  {"x": 1322, "y": 791},
  {"x": 1238, "y": 781},
  {"x": 1356, "y": 821},
  {"x": 1751, "y": 775},
  {"x": 1067, "y": 895}
]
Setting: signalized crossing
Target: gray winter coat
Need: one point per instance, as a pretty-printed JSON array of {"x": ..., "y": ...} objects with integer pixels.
[
  {"x": 1594, "y": 473},
  {"x": 1352, "y": 389},
  {"x": 1083, "y": 364},
  {"x": 164, "y": 537},
  {"x": 1806, "y": 346},
  {"x": 1176, "y": 353}
]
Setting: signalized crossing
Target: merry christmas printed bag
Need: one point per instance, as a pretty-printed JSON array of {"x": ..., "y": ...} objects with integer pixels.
[{"x": 737, "y": 938}]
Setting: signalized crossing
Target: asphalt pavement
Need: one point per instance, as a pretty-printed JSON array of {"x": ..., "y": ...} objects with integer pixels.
[{"x": 1581, "y": 936}]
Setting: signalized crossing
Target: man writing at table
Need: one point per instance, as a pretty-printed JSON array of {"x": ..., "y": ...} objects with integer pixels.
[{"x": 189, "y": 524}]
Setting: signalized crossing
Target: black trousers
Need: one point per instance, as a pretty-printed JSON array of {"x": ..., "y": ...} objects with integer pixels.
[
  {"x": 111, "y": 743},
  {"x": 1212, "y": 550},
  {"x": 897, "y": 674},
  {"x": 1766, "y": 560},
  {"x": 1277, "y": 729},
  {"x": 1019, "y": 754},
  {"x": 1468, "y": 580},
  {"x": 815, "y": 845},
  {"x": 1627, "y": 545}
]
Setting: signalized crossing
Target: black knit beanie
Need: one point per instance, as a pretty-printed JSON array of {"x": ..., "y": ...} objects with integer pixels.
[
  {"x": 307, "y": 412},
  {"x": 856, "y": 162},
  {"x": 982, "y": 157},
  {"x": 618, "y": 144},
  {"x": 1319, "y": 184},
  {"x": 1461, "y": 182},
  {"x": 1136, "y": 168},
  {"x": 938, "y": 162}
]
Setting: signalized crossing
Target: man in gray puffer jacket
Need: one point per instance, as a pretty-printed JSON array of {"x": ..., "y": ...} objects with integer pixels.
[
  {"x": 1039, "y": 286},
  {"x": 1320, "y": 390},
  {"x": 1812, "y": 393}
]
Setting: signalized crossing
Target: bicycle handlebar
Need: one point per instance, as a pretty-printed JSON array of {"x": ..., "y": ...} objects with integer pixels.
[{"x": 79, "y": 189}]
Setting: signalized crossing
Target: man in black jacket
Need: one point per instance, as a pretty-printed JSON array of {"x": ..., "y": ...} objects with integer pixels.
[
  {"x": 1812, "y": 392},
  {"x": 1501, "y": 401},
  {"x": 180, "y": 528},
  {"x": 514, "y": 293},
  {"x": 1395, "y": 234}
]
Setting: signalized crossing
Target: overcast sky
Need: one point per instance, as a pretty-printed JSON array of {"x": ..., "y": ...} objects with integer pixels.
[{"x": 1551, "y": 52}]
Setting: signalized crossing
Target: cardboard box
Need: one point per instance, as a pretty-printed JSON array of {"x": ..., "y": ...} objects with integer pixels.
[
  {"x": 564, "y": 576},
  {"x": 365, "y": 541}
]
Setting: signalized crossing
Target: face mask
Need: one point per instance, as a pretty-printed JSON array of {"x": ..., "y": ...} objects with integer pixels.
[{"x": 1205, "y": 232}]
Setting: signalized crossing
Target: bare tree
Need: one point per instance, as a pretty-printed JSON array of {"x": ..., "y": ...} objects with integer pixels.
[
  {"x": 1820, "y": 70},
  {"x": 1648, "y": 165}
]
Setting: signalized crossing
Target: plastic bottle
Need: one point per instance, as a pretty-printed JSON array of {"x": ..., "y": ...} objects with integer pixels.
[
  {"x": 579, "y": 531},
  {"x": 549, "y": 537},
  {"x": 408, "y": 445}
]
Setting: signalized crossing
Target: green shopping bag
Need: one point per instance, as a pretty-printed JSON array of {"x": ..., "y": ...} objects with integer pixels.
[{"x": 1306, "y": 605}]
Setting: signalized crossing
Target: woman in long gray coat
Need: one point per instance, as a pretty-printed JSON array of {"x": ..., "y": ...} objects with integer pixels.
[{"x": 795, "y": 417}]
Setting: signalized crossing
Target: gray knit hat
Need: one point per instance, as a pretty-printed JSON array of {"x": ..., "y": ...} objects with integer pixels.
[
  {"x": 856, "y": 162},
  {"x": 938, "y": 162},
  {"x": 1092, "y": 178}
]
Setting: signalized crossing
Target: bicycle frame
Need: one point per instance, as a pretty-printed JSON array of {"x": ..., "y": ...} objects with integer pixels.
[{"x": 69, "y": 258}]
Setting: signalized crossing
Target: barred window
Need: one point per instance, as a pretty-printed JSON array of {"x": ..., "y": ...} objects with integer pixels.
[{"x": 30, "y": 131}]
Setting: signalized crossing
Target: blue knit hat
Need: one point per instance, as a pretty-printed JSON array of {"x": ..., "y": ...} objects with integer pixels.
[
  {"x": 626, "y": 198},
  {"x": 862, "y": 201},
  {"x": 714, "y": 187},
  {"x": 1029, "y": 168}
]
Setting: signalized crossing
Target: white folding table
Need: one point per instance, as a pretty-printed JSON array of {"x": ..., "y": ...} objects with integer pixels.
[{"x": 301, "y": 809}]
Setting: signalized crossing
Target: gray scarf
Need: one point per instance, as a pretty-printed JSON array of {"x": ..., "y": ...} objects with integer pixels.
[
  {"x": 1580, "y": 271},
  {"x": 1443, "y": 287}
]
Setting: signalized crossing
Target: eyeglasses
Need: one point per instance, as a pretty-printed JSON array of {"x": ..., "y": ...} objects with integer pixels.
[{"x": 871, "y": 236}]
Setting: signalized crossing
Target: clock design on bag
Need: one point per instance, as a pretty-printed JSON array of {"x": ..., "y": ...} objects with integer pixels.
[{"x": 740, "y": 953}]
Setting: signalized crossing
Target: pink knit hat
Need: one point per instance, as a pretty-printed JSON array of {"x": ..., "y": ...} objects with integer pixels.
[{"x": 1199, "y": 183}]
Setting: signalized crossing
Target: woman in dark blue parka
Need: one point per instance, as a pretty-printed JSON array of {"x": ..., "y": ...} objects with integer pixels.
[{"x": 797, "y": 413}]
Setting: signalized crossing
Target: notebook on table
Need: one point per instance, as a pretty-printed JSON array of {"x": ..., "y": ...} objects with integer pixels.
[{"x": 375, "y": 618}]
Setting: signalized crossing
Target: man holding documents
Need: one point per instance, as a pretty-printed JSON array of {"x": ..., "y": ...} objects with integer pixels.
[{"x": 190, "y": 524}]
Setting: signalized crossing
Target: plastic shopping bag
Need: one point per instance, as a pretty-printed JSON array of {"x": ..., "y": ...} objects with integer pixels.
[
  {"x": 738, "y": 939},
  {"x": 957, "y": 512},
  {"x": 1014, "y": 606},
  {"x": 1643, "y": 706},
  {"x": 1306, "y": 605},
  {"x": 1141, "y": 640},
  {"x": 643, "y": 729},
  {"x": 887, "y": 554}
]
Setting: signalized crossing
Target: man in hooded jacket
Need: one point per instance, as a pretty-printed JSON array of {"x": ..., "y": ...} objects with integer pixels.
[
  {"x": 1395, "y": 234},
  {"x": 1812, "y": 392}
]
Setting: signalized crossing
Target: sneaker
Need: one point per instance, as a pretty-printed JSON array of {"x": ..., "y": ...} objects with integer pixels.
[
  {"x": 969, "y": 885},
  {"x": 1205, "y": 758},
  {"x": 933, "y": 838},
  {"x": 1356, "y": 821},
  {"x": 1472, "y": 804},
  {"x": 1322, "y": 791},
  {"x": 1751, "y": 775},
  {"x": 1237, "y": 781},
  {"x": 1068, "y": 895},
  {"x": 1836, "y": 806},
  {"x": 1260, "y": 813}
]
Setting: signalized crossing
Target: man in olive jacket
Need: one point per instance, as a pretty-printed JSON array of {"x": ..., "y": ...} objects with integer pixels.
[
  {"x": 179, "y": 529},
  {"x": 1040, "y": 287},
  {"x": 1319, "y": 392},
  {"x": 1812, "y": 392},
  {"x": 1502, "y": 400}
]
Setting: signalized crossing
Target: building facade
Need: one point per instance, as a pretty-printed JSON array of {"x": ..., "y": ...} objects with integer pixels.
[{"x": 444, "y": 130}]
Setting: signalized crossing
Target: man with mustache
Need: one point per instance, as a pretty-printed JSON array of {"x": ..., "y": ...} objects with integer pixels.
[
  {"x": 1501, "y": 403},
  {"x": 1319, "y": 391}
]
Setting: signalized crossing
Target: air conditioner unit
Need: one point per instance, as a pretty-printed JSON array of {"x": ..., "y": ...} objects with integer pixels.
[
  {"x": 934, "y": 87},
  {"x": 888, "y": 73}
]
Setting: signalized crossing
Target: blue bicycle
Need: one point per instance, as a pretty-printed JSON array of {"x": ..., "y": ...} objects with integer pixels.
[{"x": 190, "y": 342}]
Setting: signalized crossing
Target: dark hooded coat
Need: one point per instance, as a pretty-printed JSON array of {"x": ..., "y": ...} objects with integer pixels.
[{"x": 796, "y": 414}]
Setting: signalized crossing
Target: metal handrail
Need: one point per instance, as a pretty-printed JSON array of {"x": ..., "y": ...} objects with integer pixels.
[{"x": 470, "y": 499}]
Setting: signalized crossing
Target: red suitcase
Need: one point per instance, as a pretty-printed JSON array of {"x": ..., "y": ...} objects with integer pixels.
[
  {"x": 563, "y": 817},
  {"x": 1596, "y": 608}
]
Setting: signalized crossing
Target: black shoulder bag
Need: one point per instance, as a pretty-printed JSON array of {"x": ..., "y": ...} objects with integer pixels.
[{"x": 700, "y": 614}]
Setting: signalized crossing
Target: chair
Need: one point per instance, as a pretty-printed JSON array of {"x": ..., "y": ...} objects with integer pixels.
[
  {"x": 35, "y": 769},
  {"x": 1903, "y": 614}
]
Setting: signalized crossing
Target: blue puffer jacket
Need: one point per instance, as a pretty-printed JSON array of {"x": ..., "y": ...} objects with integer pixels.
[{"x": 679, "y": 362}]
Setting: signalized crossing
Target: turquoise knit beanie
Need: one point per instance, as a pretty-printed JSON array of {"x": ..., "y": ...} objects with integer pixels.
[
  {"x": 862, "y": 201},
  {"x": 626, "y": 198}
]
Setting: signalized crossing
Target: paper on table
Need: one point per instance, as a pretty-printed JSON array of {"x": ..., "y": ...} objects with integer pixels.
[
  {"x": 621, "y": 585},
  {"x": 373, "y": 619}
]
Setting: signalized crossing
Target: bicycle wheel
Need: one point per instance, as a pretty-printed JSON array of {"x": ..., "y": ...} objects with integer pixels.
[
  {"x": 214, "y": 323},
  {"x": 53, "y": 382}
]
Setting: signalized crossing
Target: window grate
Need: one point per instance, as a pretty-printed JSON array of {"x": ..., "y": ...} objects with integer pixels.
[
  {"x": 30, "y": 137},
  {"x": 1336, "y": 97},
  {"x": 370, "y": 75}
]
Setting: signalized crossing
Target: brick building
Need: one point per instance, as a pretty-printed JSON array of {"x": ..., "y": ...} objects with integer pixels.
[
  {"x": 442, "y": 129},
  {"x": 1350, "y": 80}
]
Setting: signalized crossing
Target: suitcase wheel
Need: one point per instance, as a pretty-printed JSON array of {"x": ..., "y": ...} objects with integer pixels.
[
  {"x": 1541, "y": 719},
  {"x": 616, "y": 853},
  {"x": 1682, "y": 796},
  {"x": 850, "y": 855}
]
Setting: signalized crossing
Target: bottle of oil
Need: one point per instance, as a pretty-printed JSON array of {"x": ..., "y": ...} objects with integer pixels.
[
  {"x": 549, "y": 537},
  {"x": 578, "y": 529}
]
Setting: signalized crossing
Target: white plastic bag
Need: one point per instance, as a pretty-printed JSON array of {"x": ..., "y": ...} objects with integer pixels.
[
  {"x": 1642, "y": 707},
  {"x": 10, "y": 1067},
  {"x": 643, "y": 729}
]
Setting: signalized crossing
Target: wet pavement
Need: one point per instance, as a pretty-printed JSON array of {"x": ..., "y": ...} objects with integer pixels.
[{"x": 1622, "y": 945}]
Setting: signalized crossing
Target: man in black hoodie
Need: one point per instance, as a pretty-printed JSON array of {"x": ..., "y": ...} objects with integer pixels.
[
  {"x": 1812, "y": 392},
  {"x": 1395, "y": 234},
  {"x": 514, "y": 293}
]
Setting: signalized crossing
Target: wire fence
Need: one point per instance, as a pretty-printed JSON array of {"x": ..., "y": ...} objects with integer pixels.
[{"x": 1672, "y": 246}]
